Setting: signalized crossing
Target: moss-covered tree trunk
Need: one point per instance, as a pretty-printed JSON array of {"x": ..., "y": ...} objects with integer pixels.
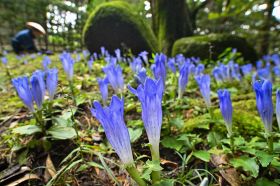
[
  {"x": 170, "y": 22},
  {"x": 265, "y": 30}
]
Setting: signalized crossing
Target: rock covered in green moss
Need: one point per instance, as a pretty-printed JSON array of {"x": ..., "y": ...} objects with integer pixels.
[
  {"x": 115, "y": 25},
  {"x": 211, "y": 46}
]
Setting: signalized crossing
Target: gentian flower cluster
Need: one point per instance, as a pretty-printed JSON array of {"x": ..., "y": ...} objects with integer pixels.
[
  {"x": 224, "y": 73},
  {"x": 36, "y": 89}
]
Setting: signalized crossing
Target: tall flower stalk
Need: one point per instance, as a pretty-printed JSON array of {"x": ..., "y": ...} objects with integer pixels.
[
  {"x": 150, "y": 95},
  {"x": 112, "y": 120}
]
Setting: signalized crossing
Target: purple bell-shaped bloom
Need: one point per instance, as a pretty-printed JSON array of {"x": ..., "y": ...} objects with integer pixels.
[
  {"x": 199, "y": 69},
  {"x": 263, "y": 90},
  {"x": 90, "y": 63},
  {"x": 112, "y": 120},
  {"x": 4, "y": 60},
  {"x": 246, "y": 69},
  {"x": 158, "y": 67},
  {"x": 141, "y": 76},
  {"x": 276, "y": 71},
  {"x": 46, "y": 62},
  {"x": 150, "y": 95},
  {"x": 103, "y": 87},
  {"x": 38, "y": 87},
  {"x": 22, "y": 87},
  {"x": 203, "y": 82},
  {"x": 183, "y": 79},
  {"x": 171, "y": 65},
  {"x": 278, "y": 107},
  {"x": 264, "y": 73},
  {"x": 51, "y": 82},
  {"x": 115, "y": 77},
  {"x": 144, "y": 56},
  {"x": 226, "y": 108},
  {"x": 118, "y": 54},
  {"x": 217, "y": 73},
  {"x": 276, "y": 59},
  {"x": 68, "y": 65},
  {"x": 136, "y": 64}
]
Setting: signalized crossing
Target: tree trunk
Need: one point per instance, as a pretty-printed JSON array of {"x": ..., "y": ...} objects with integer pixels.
[
  {"x": 170, "y": 22},
  {"x": 265, "y": 31}
]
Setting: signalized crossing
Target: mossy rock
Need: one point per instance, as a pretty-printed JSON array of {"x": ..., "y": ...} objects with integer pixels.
[
  {"x": 200, "y": 46},
  {"x": 115, "y": 25}
]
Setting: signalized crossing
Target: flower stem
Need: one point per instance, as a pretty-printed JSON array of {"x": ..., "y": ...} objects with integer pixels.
[
  {"x": 156, "y": 158},
  {"x": 231, "y": 141},
  {"x": 269, "y": 139},
  {"x": 39, "y": 120},
  {"x": 8, "y": 73},
  {"x": 71, "y": 86},
  {"x": 135, "y": 175},
  {"x": 210, "y": 110}
]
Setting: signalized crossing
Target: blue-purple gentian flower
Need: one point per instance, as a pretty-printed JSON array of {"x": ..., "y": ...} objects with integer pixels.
[
  {"x": 38, "y": 87},
  {"x": 263, "y": 90},
  {"x": 115, "y": 77},
  {"x": 158, "y": 68},
  {"x": 150, "y": 95},
  {"x": 183, "y": 79},
  {"x": 226, "y": 108},
  {"x": 22, "y": 87},
  {"x": 103, "y": 87},
  {"x": 203, "y": 82},
  {"x": 68, "y": 65},
  {"x": 112, "y": 120},
  {"x": 51, "y": 82},
  {"x": 278, "y": 107},
  {"x": 4, "y": 60},
  {"x": 46, "y": 62}
]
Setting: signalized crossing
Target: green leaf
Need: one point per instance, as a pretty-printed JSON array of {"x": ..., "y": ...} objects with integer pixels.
[
  {"x": 94, "y": 164},
  {"x": 172, "y": 143},
  {"x": 27, "y": 129},
  {"x": 149, "y": 167},
  {"x": 265, "y": 182},
  {"x": 214, "y": 139},
  {"x": 247, "y": 163},
  {"x": 165, "y": 182},
  {"x": 63, "y": 122},
  {"x": 177, "y": 122},
  {"x": 67, "y": 114},
  {"x": 61, "y": 132},
  {"x": 203, "y": 155},
  {"x": 135, "y": 134},
  {"x": 264, "y": 158}
]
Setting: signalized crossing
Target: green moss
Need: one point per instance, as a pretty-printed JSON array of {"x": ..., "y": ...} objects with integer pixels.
[
  {"x": 115, "y": 25},
  {"x": 210, "y": 46}
]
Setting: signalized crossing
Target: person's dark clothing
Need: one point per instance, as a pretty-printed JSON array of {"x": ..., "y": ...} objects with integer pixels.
[{"x": 23, "y": 41}]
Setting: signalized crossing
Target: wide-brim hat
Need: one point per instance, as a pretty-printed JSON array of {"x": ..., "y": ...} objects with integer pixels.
[{"x": 36, "y": 26}]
